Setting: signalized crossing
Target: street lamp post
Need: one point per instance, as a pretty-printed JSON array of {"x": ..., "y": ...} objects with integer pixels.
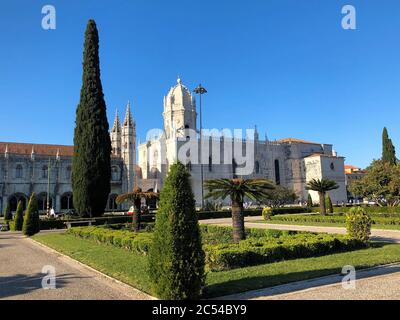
[
  {"x": 48, "y": 186},
  {"x": 200, "y": 91}
]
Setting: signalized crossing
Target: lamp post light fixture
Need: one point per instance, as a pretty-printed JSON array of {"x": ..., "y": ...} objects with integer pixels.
[{"x": 200, "y": 91}]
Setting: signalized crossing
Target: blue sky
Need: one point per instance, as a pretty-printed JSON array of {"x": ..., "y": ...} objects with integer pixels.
[{"x": 285, "y": 65}]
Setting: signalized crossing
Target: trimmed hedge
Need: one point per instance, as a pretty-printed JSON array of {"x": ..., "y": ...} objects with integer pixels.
[
  {"x": 48, "y": 224},
  {"x": 261, "y": 246},
  {"x": 376, "y": 219},
  {"x": 252, "y": 212},
  {"x": 136, "y": 242},
  {"x": 266, "y": 250},
  {"x": 368, "y": 209}
]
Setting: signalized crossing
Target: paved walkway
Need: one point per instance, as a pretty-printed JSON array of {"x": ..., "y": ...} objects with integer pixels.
[
  {"x": 376, "y": 234},
  {"x": 21, "y": 263},
  {"x": 381, "y": 283}
]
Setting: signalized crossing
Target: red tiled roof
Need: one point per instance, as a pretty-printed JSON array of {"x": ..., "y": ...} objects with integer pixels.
[
  {"x": 40, "y": 149},
  {"x": 294, "y": 140}
]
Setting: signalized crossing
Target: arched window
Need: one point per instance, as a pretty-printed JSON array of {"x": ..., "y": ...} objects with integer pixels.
[
  {"x": 115, "y": 174},
  {"x": 257, "y": 167},
  {"x": 45, "y": 172},
  {"x": 67, "y": 201},
  {"x": 209, "y": 164},
  {"x": 112, "y": 203},
  {"x": 277, "y": 173},
  {"x": 14, "y": 199},
  {"x": 68, "y": 173},
  {"x": 42, "y": 201},
  {"x": 18, "y": 172}
]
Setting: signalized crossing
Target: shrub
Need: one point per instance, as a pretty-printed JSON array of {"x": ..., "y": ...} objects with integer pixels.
[
  {"x": 254, "y": 251},
  {"x": 267, "y": 213},
  {"x": 7, "y": 213},
  {"x": 328, "y": 204},
  {"x": 310, "y": 203},
  {"x": 176, "y": 258},
  {"x": 358, "y": 224},
  {"x": 31, "y": 224},
  {"x": 19, "y": 217}
]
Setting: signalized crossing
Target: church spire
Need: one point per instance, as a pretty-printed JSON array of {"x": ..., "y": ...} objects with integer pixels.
[
  {"x": 117, "y": 125},
  {"x": 128, "y": 115}
]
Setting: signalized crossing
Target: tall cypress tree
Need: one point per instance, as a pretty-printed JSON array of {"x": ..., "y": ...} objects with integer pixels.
[
  {"x": 176, "y": 257},
  {"x": 19, "y": 217},
  {"x": 388, "y": 149},
  {"x": 31, "y": 224},
  {"x": 91, "y": 164}
]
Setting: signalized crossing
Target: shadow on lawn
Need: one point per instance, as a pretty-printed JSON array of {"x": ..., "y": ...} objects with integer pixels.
[
  {"x": 259, "y": 286},
  {"x": 21, "y": 283}
]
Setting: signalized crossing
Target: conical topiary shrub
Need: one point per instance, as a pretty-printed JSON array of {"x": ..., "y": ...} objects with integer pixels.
[
  {"x": 31, "y": 224},
  {"x": 7, "y": 213},
  {"x": 176, "y": 257},
  {"x": 310, "y": 203},
  {"x": 328, "y": 204},
  {"x": 19, "y": 217}
]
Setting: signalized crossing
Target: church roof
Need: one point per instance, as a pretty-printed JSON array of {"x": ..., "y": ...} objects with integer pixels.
[
  {"x": 38, "y": 149},
  {"x": 294, "y": 140},
  {"x": 179, "y": 96}
]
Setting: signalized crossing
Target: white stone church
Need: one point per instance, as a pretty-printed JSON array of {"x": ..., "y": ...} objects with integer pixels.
[
  {"x": 46, "y": 169},
  {"x": 288, "y": 162}
]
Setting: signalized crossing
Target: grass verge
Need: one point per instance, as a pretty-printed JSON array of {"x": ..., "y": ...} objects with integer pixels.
[{"x": 131, "y": 268}]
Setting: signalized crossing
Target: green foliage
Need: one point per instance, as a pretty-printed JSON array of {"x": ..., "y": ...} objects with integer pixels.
[
  {"x": 19, "y": 217},
  {"x": 238, "y": 190},
  {"x": 279, "y": 196},
  {"x": 31, "y": 224},
  {"x": 7, "y": 213},
  {"x": 135, "y": 242},
  {"x": 253, "y": 251},
  {"x": 388, "y": 149},
  {"x": 91, "y": 163},
  {"x": 176, "y": 258},
  {"x": 381, "y": 184},
  {"x": 328, "y": 204},
  {"x": 358, "y": 224},
  {"x": 322, "y": 186},
  {"x": 267, "y": 213},
  {"x": 310, "y": 203}
]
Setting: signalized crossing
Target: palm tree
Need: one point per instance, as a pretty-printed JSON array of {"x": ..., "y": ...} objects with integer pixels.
[
  {"x": 238, "y": 190},
  {"x": 322, "y": 186},
  {"x": 136, "y": 197}
]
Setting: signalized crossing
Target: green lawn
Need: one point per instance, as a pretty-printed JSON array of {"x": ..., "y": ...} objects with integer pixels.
[
  {"x": 131, "y": 268},
  {"x": 326, "y": 224}
]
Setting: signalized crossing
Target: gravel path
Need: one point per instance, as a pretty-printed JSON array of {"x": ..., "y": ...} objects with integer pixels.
[
  {"x": 21, "y": 264},
  {"x": 381, "y": 283},
  {"x": 376, "y": 234}
]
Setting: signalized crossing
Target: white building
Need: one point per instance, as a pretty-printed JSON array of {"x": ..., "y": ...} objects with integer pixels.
[{"x": 288, "y": 162}]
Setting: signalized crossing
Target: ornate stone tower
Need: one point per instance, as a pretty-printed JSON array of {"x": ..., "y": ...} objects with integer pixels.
[
  {"x": 179, "y": 111},
  {"x": 116, "y": 137},
  {"x": 128, "y": 150}
]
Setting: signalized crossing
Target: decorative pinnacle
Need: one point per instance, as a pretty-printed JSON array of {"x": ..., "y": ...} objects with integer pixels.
[
  {"x": 116, "y": 125},
  {"x": 128, "y": 115}
]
